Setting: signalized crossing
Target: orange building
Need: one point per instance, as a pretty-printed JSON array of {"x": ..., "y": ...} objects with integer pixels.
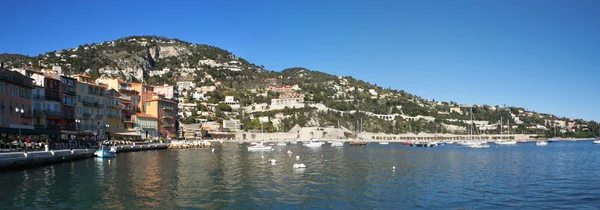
[{"x": 166, "y": 112}]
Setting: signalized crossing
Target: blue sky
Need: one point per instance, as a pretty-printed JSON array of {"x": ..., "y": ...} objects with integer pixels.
[{"x": 540, "y": 54}]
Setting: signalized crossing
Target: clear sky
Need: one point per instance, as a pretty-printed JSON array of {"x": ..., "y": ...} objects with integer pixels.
[{"x": 543, "y": 55}]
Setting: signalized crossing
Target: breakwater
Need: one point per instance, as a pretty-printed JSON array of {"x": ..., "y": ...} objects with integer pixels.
[{"x": 24, "y": 160}]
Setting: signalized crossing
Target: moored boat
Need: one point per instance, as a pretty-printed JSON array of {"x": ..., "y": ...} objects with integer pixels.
[
  {"x": 337, "y": 144},
  {"x": 314, "y": 143},
  {"x": 506, "y": 142},
  {"x": 358, "y": 143},
  {"x": 259, "y": 147},
  {"x": 384, "y": 142},
  {"x": 597, "y": 141},
  {"x": 541, "y": 143},
  {"x": 480, "y": 146}
]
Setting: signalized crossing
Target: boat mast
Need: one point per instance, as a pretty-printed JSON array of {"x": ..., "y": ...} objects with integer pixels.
[{"x": 501, "y": 128}]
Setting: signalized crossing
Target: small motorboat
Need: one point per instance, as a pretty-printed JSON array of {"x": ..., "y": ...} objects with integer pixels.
[
  {"x": 521, "y": 141},
  {"x": 480, "y": 146},
  {"x": 337, "y": 144},
  {"x": 314, "y": 143},
  {"x": 597, "y": 141},
  {"x": 358, "y": 143},
  {"x": 105, "y": 152},
  {"x": 259, "y": 147},
  {"x": 553, "y": 141},
  {"x": 406, "y": 143},
  {"x": 541, "y": 143},
  {"x": 281, "y": 143},
  {"x": 384, "y": 142},
  {"x": 468, "y": 143}
]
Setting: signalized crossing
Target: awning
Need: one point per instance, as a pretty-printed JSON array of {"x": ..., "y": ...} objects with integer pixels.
[
  {"x": 131, "y": 134},
  {"x": 29, "y": 131}
]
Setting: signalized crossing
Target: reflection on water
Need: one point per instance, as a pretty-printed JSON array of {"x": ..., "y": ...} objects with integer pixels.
[{"x": 561, "y": 175}]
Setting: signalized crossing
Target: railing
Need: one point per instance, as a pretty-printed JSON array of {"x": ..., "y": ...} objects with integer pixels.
[
  {"x": 125, "y": 88},
  {"x": 124, "y": 97},
  {"x": 38, "y": 97},
  {"x": 39, "y": 112},
  {"x": 69, "y": 104},
  {"x": 52, "y": 98},
  {"x": 69, "y": 117},
  {"x": 114, "y": 106},
  {"x": 92, "y": 104},
  {"x": 69, "y": 90},
  {"x": 53, "y": 113},
  {"x": 99, "y": 116},
  {"x": 114, "y": 115}
]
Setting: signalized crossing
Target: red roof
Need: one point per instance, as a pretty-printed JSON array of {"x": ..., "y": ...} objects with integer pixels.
[{"x": 145, "y": 115}]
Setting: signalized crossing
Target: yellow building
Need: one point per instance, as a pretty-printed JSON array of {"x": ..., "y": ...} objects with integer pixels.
[
  {"x": 130, "y": 98},
  {"x": 91, "y": 105},
  {"x": 113, "y": 112}
]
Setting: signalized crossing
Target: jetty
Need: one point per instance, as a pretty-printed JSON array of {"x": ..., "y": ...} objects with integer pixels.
[{"x": 23, "y": 160}]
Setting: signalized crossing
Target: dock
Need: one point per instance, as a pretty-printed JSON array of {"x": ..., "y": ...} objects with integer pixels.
[{"x": 23, "y": 160}]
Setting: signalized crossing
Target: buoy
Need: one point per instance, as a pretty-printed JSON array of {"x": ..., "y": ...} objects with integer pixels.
[
  {"x": 297, "y": 157},
  {"x": 262, "y": 156},
  {"x": 289, "y": 152},
  {"x": 273, "y": 160},
  {"x": 394, "y": 167},
  {"x": 213, "y": 150}
]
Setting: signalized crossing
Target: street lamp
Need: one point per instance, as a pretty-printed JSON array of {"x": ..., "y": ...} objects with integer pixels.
[
  {"x": 20, "y": 113},
  {"x": 107, "y": 133}
]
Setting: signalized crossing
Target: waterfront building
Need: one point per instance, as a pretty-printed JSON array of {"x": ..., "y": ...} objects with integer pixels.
[
  {"x": 91, "y": 106},
  {"x": 146, "y": 126},
  {"x": 146, "y": 92},
  {"x": 67, "y": 91},
  {"x": 113, "y": 113},
  {"x": 165, "y": 110},
  {"x": 15, "y": 92}
]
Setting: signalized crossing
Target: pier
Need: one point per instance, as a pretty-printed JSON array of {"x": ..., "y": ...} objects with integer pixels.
[{"x": 24, "y": 160}]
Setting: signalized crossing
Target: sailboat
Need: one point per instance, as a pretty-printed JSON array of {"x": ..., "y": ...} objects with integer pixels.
[
  {"x": 476, "y": 144},
  {"x": 502, "y": 141},
  {"x": 262, "y": 146}
]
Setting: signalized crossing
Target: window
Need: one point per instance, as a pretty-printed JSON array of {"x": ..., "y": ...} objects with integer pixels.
[
  {"x": 1, "y": 88},
  {"x": 10, "y": 87},
  {"x": 10, "y": 108},
  {"x": 1, "y": 107}
]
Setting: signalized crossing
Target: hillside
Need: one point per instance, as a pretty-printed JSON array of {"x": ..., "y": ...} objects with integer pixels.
[{"x": 333, "y": 100}]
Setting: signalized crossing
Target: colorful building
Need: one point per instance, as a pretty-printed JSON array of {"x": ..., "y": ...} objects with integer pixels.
[
  {"x": 165, "y": 110},
  {"x": 147, "y": 126},
  {"x": 91, "y": 103},
  {"x": 15, "y": 93}
]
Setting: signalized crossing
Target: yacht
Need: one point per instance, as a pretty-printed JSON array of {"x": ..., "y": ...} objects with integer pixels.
[
  {"x": 105, "y": 152},
  {"x": 281, "y": 143},
  {"x": 506, "y": 142},
  {"x": 597, "y": 141},
  {"x": 337, "y": 144},
  {"x": 541, "y": 143},
  {"x": 314, "y": 143},
  {"x": 259, "y": 147},
  {"x": 384, "y": 142}
]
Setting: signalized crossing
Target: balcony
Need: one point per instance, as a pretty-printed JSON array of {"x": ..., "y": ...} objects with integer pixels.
[
  {"x": 87, "y": 115},
  {"x": 114, "y": 106},
  {"x": 38, "y": 112},
  {"x": 52, "y": 98},
  {"x": 167, "y": 117},
  {"x": 99, "y": 116},
  {"x": 167, "y": 108},
  {"x": 69, "y": 104},
  {"x": 53, "y": 113},
  {"x": 38, "y": 97},
  {"x": 69, "y": 117},
  {"x": 69, "y": 90},
  {"x": 91, "y": 104},
  {"x": 124, "y": 97},
  {"x": 113, "y": 116},
  {"x": 128, "y": 88}
]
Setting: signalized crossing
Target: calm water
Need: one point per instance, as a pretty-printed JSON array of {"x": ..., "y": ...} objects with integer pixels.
[{"x": 560, "y": 175}]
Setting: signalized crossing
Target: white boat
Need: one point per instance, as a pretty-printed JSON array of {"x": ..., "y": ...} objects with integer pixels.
[
  {"x": 384, "y": 142},
  {"x": 467, "y": 143},
  {"x": 597, "y": 141},
  {"x": 259, "y": 147},
  {"x": 337, "y": 144},
  {"x": 314, "y": 143},
  {"x": 281, "y": 143},
  {"x": 541, "y": 143},
  {"x": 480, "y": 146},
  {"x": 293, "y": 142},
  {"x": 506, "y": 142}
]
